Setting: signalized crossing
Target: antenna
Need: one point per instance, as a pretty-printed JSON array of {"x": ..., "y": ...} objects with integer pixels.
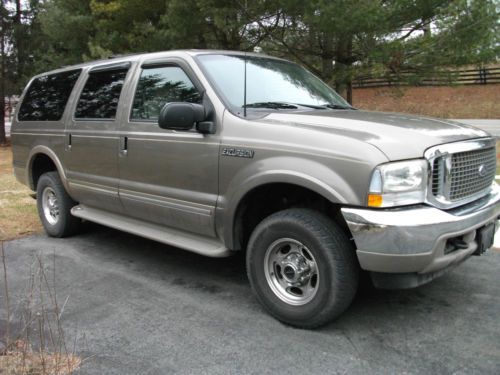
[{"x": 245, "y": 88}]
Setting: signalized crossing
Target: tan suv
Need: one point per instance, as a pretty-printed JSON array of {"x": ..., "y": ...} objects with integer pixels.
[{"x": 217, "y": 151}]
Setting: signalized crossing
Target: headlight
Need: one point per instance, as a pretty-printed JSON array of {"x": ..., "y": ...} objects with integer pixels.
[{"x": 397, "y": 184}]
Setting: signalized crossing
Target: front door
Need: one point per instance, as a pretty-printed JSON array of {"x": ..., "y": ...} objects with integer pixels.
[{"x": 167, "y": 177}]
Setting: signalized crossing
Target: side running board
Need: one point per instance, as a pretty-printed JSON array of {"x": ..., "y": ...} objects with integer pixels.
[{"x": 188, "y": 241}]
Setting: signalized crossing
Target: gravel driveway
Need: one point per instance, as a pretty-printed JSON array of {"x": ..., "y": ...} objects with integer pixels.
[{"x": 139, "y": 307}]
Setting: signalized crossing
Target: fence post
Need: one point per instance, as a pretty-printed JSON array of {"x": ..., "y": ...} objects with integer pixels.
[{"x": 482, "y": 76}]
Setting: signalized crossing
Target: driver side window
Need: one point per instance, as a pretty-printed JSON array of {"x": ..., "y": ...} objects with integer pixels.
[{"x": 158, "y": 86}]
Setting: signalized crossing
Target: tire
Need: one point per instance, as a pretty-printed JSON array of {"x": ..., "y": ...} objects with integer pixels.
[
  {"x": 54, "y": 206},
  {"x": 302, "y": 267}
]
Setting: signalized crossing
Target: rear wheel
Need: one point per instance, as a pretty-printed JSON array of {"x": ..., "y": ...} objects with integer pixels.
[
  {"x": 54, "y": 206},
  {"x": 302, "y": 267}
]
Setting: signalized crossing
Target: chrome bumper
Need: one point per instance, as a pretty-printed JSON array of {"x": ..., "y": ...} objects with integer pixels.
[{"x": 413, "y": 239}]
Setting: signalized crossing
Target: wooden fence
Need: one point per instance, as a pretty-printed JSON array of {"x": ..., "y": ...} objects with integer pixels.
[{"x": 478, "y": 76}]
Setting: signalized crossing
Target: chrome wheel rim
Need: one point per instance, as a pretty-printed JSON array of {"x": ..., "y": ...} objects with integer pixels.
[
  {"x": 50, "y": 205},
  {"x": 291, "y": 271}
]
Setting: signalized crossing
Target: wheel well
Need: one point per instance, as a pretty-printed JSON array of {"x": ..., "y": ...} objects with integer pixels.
[
  {"x": 268, "y": 199},
  {"x": 41, "y": 164}
]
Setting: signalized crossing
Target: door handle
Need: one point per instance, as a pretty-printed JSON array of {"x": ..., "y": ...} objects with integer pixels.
[
  {"x": 68, "y": 141},
  {"x": 123, "y": 146}
]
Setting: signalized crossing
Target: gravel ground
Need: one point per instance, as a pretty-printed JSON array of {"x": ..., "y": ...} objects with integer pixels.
[{"x": 139, "y": 307}]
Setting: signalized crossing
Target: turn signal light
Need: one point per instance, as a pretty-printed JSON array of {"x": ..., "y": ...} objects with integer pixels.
[{"x": 374, "y": 200}]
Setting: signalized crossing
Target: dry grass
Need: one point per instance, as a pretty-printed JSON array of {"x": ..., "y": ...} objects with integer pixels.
[
  {"x": 18, "y": 215},
  {"x": 24, "y": 360},
  {"x": 38, "y": 317},
  {"x": 476, "y": 101}
]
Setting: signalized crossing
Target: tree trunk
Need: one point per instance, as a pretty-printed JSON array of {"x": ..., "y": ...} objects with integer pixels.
[
  {"x": 17, "y": 39},
  {"x": 327, "y": 66},
  {"x": 427, "y": 27},
  {"x": 3, "y": 139},
  {"x": 327, "y": 55},
  {"x": 349, "y": 92},
  {"x": 343, "y": 66}
]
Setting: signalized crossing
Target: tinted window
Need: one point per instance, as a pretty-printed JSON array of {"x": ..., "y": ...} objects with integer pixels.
[
  {"x": 99, "y": 98},
  {"x": 47, "y": 96},
  {"x": 158, "y": 86}
]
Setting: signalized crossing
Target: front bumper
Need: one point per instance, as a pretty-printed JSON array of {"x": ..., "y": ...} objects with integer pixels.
[{"x": 416, "y": 241}]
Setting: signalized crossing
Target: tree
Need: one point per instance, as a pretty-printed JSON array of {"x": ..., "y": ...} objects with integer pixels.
[
  {"x": 66, "y": 29},
  {"x": 128, "y": 26},
  {"x": 230, "y": 25},
  {"x": 124, "y": 26},
  {"x": 4, "y": 38},
  {"x": 337, "y": 38},
  {"x": 329, "y": 36}
]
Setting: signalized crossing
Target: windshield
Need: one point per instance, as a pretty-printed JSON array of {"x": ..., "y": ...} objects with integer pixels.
[{"x": 271, "y": 84}]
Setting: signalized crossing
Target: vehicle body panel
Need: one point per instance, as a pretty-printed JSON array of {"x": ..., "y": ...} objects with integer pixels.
[
  {"x": 386, "y": 131},
  {"x": 294, "y": 155},
  {"x": 168, "y": 177},
  {"x": 91, "y": 156}
]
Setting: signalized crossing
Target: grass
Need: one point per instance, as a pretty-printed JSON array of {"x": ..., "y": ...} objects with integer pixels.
[
  {"x": 18, "y": 214},
  {"x": 27, "y": 361}
]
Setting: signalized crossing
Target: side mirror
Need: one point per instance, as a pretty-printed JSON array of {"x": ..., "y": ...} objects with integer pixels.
[{"x": 180, "y": 116}]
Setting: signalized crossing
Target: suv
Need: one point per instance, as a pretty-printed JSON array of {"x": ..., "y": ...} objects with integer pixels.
[{"x": 217, "y": 152}]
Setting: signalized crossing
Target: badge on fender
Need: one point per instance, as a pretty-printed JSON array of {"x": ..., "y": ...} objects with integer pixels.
[{"x": 238, "y": 152}]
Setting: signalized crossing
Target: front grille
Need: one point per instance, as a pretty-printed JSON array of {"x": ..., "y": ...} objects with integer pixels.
[
  {"x": 462, "y": 175},
  {"x": 437, "y": 177},
  {"x": 466, "y": 177}
]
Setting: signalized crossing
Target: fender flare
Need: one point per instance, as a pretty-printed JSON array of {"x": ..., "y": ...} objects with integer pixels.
[
  {"x": 268, "y": 177},
  {"x": 44, "y": 150}
]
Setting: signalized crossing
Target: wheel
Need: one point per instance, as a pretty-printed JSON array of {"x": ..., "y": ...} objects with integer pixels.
[
  {"x": 302, "y": 267},
  {"x": 54, "y": 206}
]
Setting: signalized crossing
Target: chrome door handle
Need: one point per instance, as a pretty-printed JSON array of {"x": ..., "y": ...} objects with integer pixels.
[
  {"x": 68, "y": 141},
  {"x": 123, "y": 146}
]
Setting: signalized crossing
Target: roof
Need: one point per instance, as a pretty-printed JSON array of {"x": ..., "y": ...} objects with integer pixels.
[{"x": 152, "y": 55}]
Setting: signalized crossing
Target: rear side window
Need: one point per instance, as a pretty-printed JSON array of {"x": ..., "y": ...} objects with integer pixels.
[
  {"x": 100, "y": 96},
  {"x": 158, "y": 86},
  {"x": 47, "y": 97}
]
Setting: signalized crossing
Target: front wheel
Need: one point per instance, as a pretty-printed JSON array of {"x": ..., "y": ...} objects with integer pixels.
[
  {"x": 54, "y": 206},
  {"x": 302, "y": 267}
]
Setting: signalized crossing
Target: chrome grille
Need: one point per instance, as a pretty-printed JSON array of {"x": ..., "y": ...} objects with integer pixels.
[
  {"x": 460, "y": 172},
  {"x": 466, "y": 177},
  {"x": 437, "y": 177}
]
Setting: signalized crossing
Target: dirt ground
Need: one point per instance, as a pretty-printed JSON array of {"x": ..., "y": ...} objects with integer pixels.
[
  {"x": 18, "y": 215},
  {"x": 460, "y": 102}
]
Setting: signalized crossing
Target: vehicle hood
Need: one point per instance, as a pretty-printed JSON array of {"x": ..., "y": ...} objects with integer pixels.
[{"x": 398, "y": 136}]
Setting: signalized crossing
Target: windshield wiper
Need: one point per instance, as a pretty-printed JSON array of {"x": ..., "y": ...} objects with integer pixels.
[
  {"x": 285, "y": 105},
  {"x": 313, "y": 106},
  {"x": 336, "y": 106},
  {"x": 323, "y": 106},
  {"x": 272, "y": 105}
]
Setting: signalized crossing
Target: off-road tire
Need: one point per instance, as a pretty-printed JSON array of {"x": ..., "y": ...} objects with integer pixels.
[
  {"x": 65, "y": 224},
  {"x": 333, "y": 253}
]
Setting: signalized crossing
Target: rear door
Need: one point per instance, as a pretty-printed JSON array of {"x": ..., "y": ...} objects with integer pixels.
[
  {"x": 92, "y": 141},
  {"x": 167, "y": 177}
]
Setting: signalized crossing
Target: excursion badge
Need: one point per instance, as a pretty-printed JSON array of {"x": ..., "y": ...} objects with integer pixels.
[{"x": 238, "y": 152}]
